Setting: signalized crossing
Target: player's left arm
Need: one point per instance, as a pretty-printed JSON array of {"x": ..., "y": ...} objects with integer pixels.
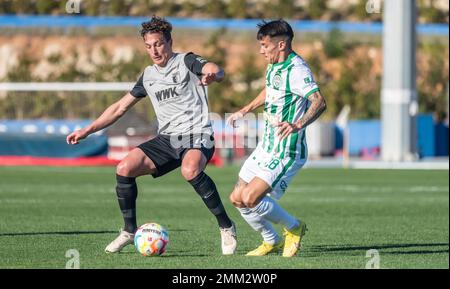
[
  {"x": 207, "y": 71},
  {"x": 211, "y": 72},
  {"x": 318, "y": 106}
]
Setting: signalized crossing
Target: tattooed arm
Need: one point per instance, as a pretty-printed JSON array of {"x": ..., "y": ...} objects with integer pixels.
[{"x": 318, "y": 106}]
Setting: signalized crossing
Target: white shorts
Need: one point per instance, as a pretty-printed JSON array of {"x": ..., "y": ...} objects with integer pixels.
[{"x": 276, "y": 172}]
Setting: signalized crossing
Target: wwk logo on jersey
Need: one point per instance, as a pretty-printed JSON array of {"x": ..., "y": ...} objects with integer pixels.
[{"x": 166, "y": 94}]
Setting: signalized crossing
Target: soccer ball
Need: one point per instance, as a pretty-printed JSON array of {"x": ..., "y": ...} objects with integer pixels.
[{"x": 151, "y": 239}]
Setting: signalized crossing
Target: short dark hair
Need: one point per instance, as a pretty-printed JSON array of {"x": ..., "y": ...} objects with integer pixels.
[
  {"x": 157, "y": 25},
  {"x": 275, "y": 28}
]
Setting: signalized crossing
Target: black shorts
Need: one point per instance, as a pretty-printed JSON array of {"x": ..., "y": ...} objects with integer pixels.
[{"x": 167, "y": 152}]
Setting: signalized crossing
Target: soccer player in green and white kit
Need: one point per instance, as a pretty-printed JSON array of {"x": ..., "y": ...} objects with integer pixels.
[{"x": 292, "y": 101}]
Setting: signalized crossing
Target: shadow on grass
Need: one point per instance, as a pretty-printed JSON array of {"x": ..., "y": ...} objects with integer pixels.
[
  {"x": 172, "y": 254},
  {"x": 418, "y": 252},
  {"x": 385, "y": 248},
  {"x": 56, "y": 233},
  {"x": 64, "y": 233}
]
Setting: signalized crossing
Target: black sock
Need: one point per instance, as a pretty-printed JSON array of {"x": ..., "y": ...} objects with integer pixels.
[
  {"x": 126, "y": 190},
  {"x": 206, "y": 188}
]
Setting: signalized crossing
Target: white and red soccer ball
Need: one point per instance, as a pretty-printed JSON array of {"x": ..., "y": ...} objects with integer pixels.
[{"x": 151, "y": 239}]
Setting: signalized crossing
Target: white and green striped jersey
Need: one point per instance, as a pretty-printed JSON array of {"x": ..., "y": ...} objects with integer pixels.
[{"x": 288, "y": 85}]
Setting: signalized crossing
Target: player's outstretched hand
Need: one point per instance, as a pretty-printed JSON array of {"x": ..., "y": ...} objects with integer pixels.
[
  {"x": 76, "y": 136},
  {"x": 231, "y": 120},
  {"x": 286, "y": 128},
  {"x": 207, "y": 79}
]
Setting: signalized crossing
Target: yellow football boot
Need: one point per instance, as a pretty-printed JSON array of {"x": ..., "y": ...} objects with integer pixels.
[
  {"x": 266, "y": 248},
  {"x": 293, "y": 239}
]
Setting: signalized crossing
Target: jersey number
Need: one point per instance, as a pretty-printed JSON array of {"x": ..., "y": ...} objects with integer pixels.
[{"x": 273, "y": 164}]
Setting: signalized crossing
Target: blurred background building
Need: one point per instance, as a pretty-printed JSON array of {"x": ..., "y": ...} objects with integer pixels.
[{"x": 97, "y": 41}]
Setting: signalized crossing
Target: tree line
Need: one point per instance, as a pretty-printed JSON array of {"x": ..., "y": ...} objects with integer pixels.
[
  {"x": 356, "y": 84},
  {"x": 289, "y": 9}
]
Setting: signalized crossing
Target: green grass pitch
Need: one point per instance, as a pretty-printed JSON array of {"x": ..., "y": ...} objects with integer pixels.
[{"x": 403, "y": 214}]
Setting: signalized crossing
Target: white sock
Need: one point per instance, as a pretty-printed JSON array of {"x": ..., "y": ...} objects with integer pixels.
[
  {"x": 261, "y": 225},
  {"x": 270, "y": 210}
]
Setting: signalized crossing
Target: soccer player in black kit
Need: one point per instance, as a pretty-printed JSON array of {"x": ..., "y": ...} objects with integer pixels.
[{"x": 177, "y": 86}]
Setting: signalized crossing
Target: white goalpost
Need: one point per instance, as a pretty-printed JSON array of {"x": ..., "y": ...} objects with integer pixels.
[{"x": 66, "y": 86}]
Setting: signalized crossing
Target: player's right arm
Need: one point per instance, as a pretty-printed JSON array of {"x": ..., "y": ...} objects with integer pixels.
[
  {"x": 108, "y": 117},
  {"x": 254, "y": 104}
]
